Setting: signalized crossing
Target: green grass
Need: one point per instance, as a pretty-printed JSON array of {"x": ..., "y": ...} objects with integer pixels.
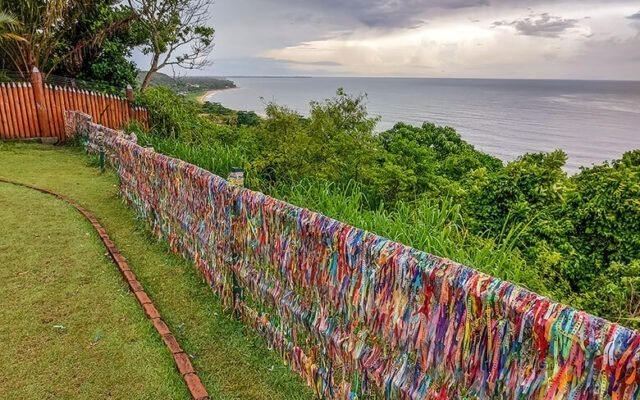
[
  {"x": 196, "y": 95},
  {"x": 232, "y": 362},
  {"x": 70, "y": 329},
  {"x": 437, "y": 227}
]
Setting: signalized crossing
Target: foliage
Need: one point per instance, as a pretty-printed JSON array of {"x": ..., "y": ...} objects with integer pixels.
[
  {"x": 216, "y": 108},
  {"x": 223, "y": 115},
  {"x": 111, "y": 68},
  {"x": 175, "y": 33},
  {"x": 93, "y": 40},
  {"x": 604, "y": 209},
  {"x": 615, "y": 293},
  {"x": 428, "y": 159},
  {"x": 52, "y": 33},
  {"x": 106, "y": 63},
  {"x": 8, "y": 23},
  {"x": 170, "y": 115},
  {"x": 248, "y": 118},
  {"x": 576, "y": 238},
  {"x": 515, "y": 193},
  {"x": 187, "y": 84},
  {"x": 336, "y": 142}
]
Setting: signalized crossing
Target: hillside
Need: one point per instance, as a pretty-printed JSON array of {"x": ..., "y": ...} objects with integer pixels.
[{"x": 188, "y": 84}]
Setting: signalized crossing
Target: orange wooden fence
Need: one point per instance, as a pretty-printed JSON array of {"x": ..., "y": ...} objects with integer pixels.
[{"x": 36, "y": 110}]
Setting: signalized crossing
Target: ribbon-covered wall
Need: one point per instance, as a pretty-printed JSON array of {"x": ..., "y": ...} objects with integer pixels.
[{"x": 359, "y": 315}]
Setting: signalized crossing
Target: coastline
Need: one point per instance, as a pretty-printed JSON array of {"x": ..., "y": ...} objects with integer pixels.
[{"x": 203, "y": 98}]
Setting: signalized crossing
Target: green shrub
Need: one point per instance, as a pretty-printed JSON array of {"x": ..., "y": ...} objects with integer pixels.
[{"x": 576, "y": 239}]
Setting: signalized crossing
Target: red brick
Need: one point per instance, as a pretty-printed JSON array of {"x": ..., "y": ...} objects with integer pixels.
[
  {"x": 172, "y": 343},
  {"x": 161, "y": 327},
  {"x": 135, "y": 286},
  {"x": 123, "y": 266},
  {"x": 151, "y": 311},
  {"x": 183, "y": 363},
  {"x": 198, "y": 392},
  {"x": 128, "y": 275},
  {"x": 118, "y": 257},
  {"x": 142, "y": 298}
]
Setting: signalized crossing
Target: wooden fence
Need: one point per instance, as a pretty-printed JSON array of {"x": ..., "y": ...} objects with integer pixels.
[{"x": 36, "y": 110}]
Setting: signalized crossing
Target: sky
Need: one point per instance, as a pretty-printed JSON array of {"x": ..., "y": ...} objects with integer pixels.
[{"x": 532, "y": 39}]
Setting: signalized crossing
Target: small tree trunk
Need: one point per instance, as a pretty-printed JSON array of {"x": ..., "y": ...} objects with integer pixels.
[
  {"x": 152, "y": 70},
  {"x": 147, "y": 80}
]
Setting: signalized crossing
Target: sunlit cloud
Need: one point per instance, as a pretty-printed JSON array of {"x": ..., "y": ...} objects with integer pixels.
[
  {"x": 461, "y": 48},
  {"x": 436, "y": 38}
]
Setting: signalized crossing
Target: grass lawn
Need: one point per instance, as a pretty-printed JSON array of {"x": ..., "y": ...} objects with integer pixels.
[
  {"x": 68, "y": 327},
  {"x": 50, "y": 262}
]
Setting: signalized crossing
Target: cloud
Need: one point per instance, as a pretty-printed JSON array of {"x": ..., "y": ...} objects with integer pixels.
[
  {"x": 544, "y": 25},
  {"x": 458, "y": 38},
  {"x": 387, "y": 13},
  {"x": 322, "y": 63}
]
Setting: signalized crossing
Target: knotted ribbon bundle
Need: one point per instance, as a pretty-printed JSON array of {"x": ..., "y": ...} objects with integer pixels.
[{"x": 360, "y": 315}]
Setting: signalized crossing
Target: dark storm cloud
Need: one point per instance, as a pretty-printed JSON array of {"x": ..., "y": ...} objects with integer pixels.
[
  {"x": 388, "y": 13},
  {"x": 544, "y": 25},
  {"x": 409, "y": 13},
  {"x": 391, "y": 14},
  {"x": 272, "y": 37}
]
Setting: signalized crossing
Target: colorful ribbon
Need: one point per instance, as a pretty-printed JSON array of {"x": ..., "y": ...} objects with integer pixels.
[{"x": 357, "y": 314}]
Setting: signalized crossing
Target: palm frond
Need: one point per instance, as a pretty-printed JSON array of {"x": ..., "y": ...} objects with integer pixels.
[{"x": 7, "y": 24}]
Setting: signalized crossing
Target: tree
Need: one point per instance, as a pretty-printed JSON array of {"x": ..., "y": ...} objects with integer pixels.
[
  {"x": 605, "y": 210},
  {"x": 176, "y": 34},
  {"x": 344, "y": 132},
  {"x": 7, "y": 24},
  {"x": 436, "y": 155},
  {"x": 286, "y": 151},
  {"x": 526, "y": 187},
  {"x": 106, "y": 65},
  {"x": 44, "y": 28}
]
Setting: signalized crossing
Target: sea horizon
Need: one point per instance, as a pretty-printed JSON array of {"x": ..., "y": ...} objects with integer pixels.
[
  {"x": 591, "y": 120},
  {"x": 218, "y": 76}
]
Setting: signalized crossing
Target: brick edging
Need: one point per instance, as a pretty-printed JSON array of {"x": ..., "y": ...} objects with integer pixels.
[{"x": 183, "y": 364}]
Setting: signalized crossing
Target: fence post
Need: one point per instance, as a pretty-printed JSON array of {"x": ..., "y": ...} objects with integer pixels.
[
  {"x": 38, "y": 95},
  {"x": 129, "y": 95}
]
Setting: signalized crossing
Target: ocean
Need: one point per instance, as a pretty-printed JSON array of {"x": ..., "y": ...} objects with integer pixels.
[{"x": 592, "y": 121}]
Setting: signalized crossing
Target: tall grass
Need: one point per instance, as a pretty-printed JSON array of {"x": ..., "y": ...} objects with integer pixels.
[
  {"x": 217, "y": 159},
  {"x": 437, "y": 227}
]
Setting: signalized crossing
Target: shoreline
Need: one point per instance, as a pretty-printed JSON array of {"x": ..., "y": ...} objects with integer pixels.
[{"x": 202, "y": 99}]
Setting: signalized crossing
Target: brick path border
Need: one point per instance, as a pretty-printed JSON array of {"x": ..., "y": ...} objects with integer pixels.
[{"x": 183, "y": 364}]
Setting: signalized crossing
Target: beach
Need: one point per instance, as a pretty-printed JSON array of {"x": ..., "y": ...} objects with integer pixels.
[{"x": 203, "y": 98}]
